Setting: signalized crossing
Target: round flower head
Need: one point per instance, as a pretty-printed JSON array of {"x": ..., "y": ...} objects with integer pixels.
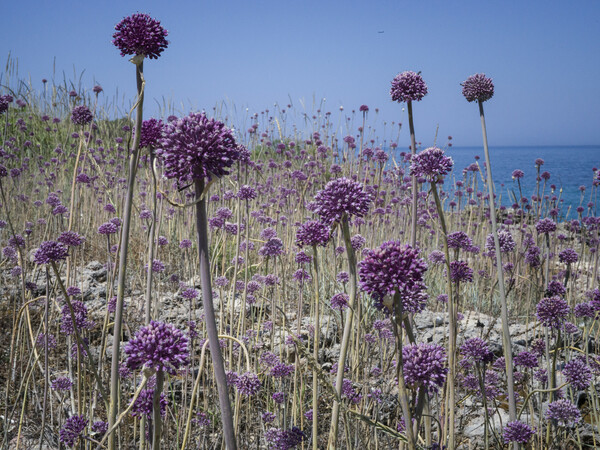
[
  {"x": 552, "y": 311},
  {"x": 476, "y": 349},
  {"x": 408, "y": 86},
  {"x": 69, "y": 433},
  {"x": 460, "y": 272},
  {"x": 478, "y": 87},
  {"x": 81, "y": 115},
  {"x": 395, "y": 268},
  {"x": 568, "y": 256},
  {"x": 195, "y": 147},
  {"x": 312, "y": 232},
  {"x": 517, "y": 431},
  {"x": 431, "y": 164},
  {"x": 158, "y": 345},
  {"x": 424, "y": 364},
  {"x": 578, "y": 373},
  {"x": 50, "y": 251},
  {"x": 341, "y": 198},
  {"x": 139, "y": 34},
  {"x": 5, "y": 100},
  {"x": 545, "y": 226},
  {"x": 564, "y": 412},
  {"x": 507, "y": 243},
  {"x": 71, "y": 238},
  {"x": 151, "y": 133},
  {"x": 248, "y": 383}
]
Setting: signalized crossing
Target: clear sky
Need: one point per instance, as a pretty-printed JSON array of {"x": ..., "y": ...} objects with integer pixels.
[{"x": 543, "y": 55}]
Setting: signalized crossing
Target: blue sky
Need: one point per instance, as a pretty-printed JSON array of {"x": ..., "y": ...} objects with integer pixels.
[{"x": 542, "y": 55}]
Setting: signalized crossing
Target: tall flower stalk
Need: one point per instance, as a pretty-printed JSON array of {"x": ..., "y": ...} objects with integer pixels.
[
  {"x": 338, "y": 202},
  {"x": 408, "y": 87},
  {"x": 479, "y": 88},
  {"x": 141, "y": 36},
  {"x": 199, "y": 149}
]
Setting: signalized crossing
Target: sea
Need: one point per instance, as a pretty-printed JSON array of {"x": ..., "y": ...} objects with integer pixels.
[{"x": 570, "y": 168}]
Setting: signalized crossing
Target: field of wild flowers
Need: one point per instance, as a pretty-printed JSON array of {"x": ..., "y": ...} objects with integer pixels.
[{"x": 175, "y": 283}]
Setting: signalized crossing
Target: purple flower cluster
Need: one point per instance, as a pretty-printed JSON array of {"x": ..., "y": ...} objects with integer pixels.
[
  {"x": 552, "y": 311},
  {"x": 545, "y": 226},
  {"x": 5, "y": 100},
  {"x": 477, "y": 350},
  {"x": 247, "y": 193},
  {"x": 478, "y": 87},
  {"x": 61, "y": 384},
  {"x": 143, "y": 405},
  {"x": 431, "y": 164},
  {"x": 158, "y": 345},
  {"x": 248, "y": 384},
  {"x": 80, "y": 313},
  {"x": 460, "y": 272},
  {"x": 408, "y": 86},
  {"x": 459, "y": 240},
  {"x": 578, "y": 373},
  {"x": 284, "y": 439},
  {"x": 507, "y": 243},
  {"x": 517, "y": 431},
  {"x": 395, "y": 268},
  {"x": 139, "y": 34},
  {"x": 151, "y": 133},
  {"x": 71, "y": 239},
  {"x": 564, "y": 412},
  {"x": 81, "y": 115},
  {"x": 312, "y": 232},
  {"x": 72, "y": 429},
  {"x": 568, "y": 256},
  {"x": 339, "y": 301},
  {"x": 50, "y": 251},
  {"x": 273, "y": 247},
  {"x": 195, "y": 147},
  {"x": 341, "y": 198},
  {"x": 424, "y": 364}
]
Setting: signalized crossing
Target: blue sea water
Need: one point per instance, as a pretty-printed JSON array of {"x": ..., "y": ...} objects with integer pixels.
[{"x": 569, "y": 166}]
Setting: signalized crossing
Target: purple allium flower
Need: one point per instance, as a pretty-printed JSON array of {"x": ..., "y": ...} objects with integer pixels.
[
  {"x": 424, "y": 364},
  {"x": 107, "y": 228},
  {"x": 185, "y": 243},
  {"x": 552, "y": 311},
  {"x": 40, "y": 342},
  {"x": 430, "y": 164},
  {"x": 518, "y": 174},
  {"x": 363, "y": 108},
  {"x": 339, "y": 301},
  {"x": 247, "y": 193},
  {"x": 143, "y": 406},
  {"x": 478, "y": 88},
  {"x": 248, "y": 383},
  {"x": 343, "y": 277},
  {"x": 100, "y": 427},
  {"x": 341, "y": 198},
  {"x": 158, "y": 266},
  {"x": 303, "y": 258},
  {"x": 312, "y": 232},
  {"x": 80, "y": 312},
  {"x": 578, "y": 373},
  {"x": 139, "y": 34},
  {"x": 278, "y": 397},
  {"x": 284, "y": 439},
  {"x": 50, "y": 251},
  {"x": 564, "y": 412},
  {"x": 395, "y": 268},
  {"x": 195, "y": 147},
  {"x": 61, "y": 384},
  {"x": 73, "y": 427},
  {"x": 526, "y": 359},
  {"x": 151, "y": 133},
  {"x": 477, "y": 350},
  {"x": 459, "y": 240},
  {"x": 436, "y": 257},
  {"x": 267, "y": 417},
  {"x": 158, "y": 345},
  {"x": 273, "y": 247},
  {"x": 357, "y": 242},
  {"x": 5, "y": 100},
  {"x": 507, "y": 243},
  {"x": 460, "y": 272},
  {"x": 81, "y": 115},
  {"x": 545, "y": 226},
  {"x": 408, "y": 86},
  {"x": 71, "y": 238},
  {"x": 517, "y": 431},
  {"x": 281, "y": 370},
  {"x": 568, "y": 256},
  {"x": 349, "y": 392}
]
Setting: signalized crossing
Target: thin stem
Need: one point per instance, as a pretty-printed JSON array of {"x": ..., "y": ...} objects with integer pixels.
[
  {"x": 210, "y": 320},
  {"x": 118, "y": 324}
]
